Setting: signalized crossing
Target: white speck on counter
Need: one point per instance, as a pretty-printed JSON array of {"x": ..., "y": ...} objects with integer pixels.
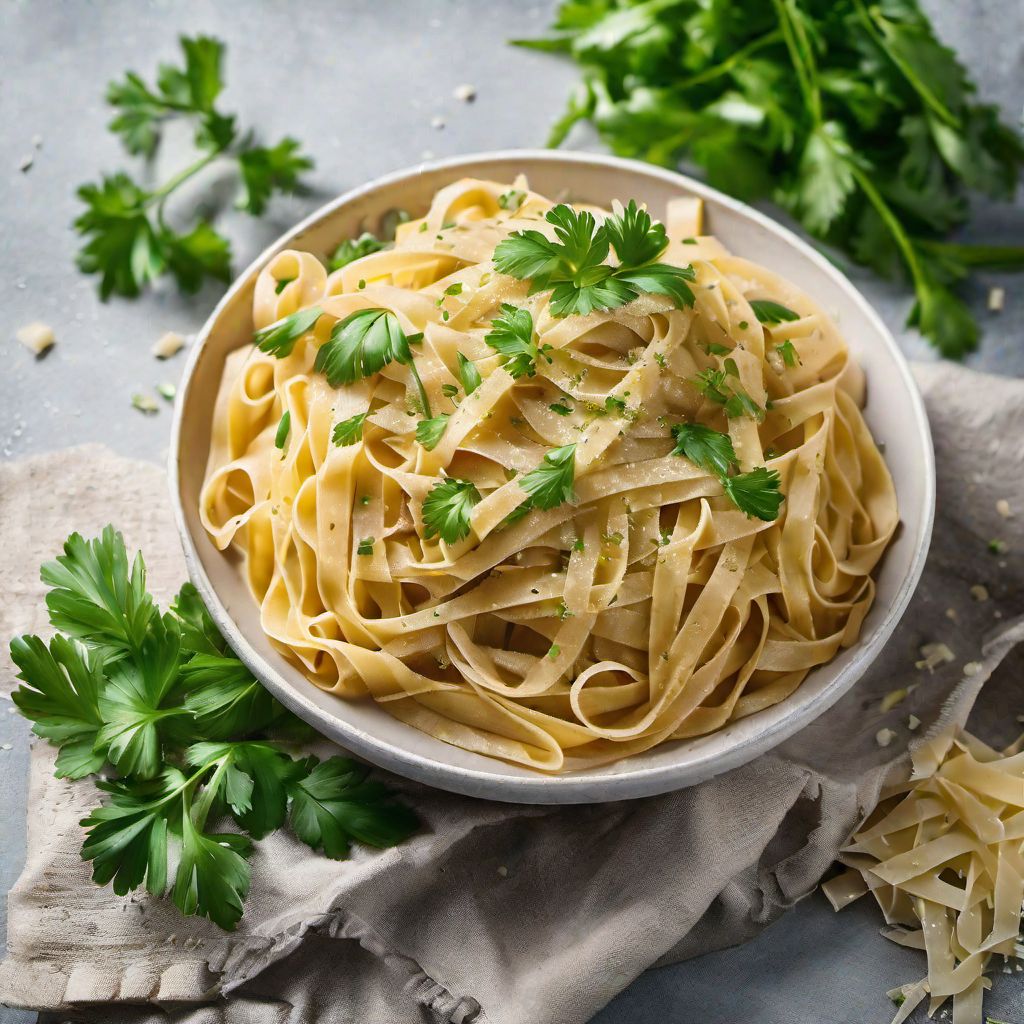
[
  {"x": 913, "y": 722},
  {"x": 996, "y": 298},
  {"x": 979, "y": 592},
  {"x": 437, "y": 122},
  {"x": 465, "y": 92},
  {"x": 25, "y": 163},
  {"x": 1003, "y": 508},
  {"x": 972, "y": 668},
  {"x": 5, "y": 746},
  {"x": 502, "y": 870},
  {"x": 36, "y": 336},
  {"x": 884, "y": 737}
]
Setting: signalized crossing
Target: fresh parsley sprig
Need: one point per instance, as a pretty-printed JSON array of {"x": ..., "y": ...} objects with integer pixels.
[
  {"x": 363, "y": 344},
  {"x": 574, "y": 267},
  {"x": 512, "y": 337},
  {"x": 716, "y": 386},
  {"x": 160, "y": 701},
  {"x": 852, "y": 115},
  {"x": 128, "y": 239},
  {"x": 755, "y": 493},
  {"x": 447, "y": 508},
  {"x": 550, "y": 484}
]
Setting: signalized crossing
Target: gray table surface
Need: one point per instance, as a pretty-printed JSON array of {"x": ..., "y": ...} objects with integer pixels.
[{"x": 360, "y": 84}]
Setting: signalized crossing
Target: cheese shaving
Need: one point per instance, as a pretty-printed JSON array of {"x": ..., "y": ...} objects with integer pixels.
[
  {"x": 36, "y": 336},
  {"x": 942, "y": 855}
]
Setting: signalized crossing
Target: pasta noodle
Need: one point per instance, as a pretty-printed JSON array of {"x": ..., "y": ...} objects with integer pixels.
[
  {"x": 651, "y": 607},
  {"x": 942, "y": 856}
]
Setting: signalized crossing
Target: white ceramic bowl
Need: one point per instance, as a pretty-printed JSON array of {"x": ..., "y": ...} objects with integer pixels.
[{"x": 894, "y": 412}]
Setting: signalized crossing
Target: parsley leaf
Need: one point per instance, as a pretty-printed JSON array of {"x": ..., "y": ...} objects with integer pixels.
[
  {"x": 716, "y": 387},
  {"x": 363, "y": 344},
  {"x": 269, "y": 169},
  {"x": 349, "y": 431},
  {"x": 468, "y": 374},
  {"x": 769, "y": 312},
  {"x": 96, "y": 598},
  {"x": 446, "y": 509},
  {"x": 353, "y": 249},
  {"x": 788, "y": 352},
  {"x": 512, "y": 199},
  {"x": 574, "y": 268},
  {"x": 709, "y": 449},
  {"x": 429, "y": 432},
  {"x": 511, "y": 336},
  {"x": 551, "y": 483},
  {"x": 283, "y": 429},
  {"x": 60, "y": 696},
  {"x": 365, "y": 547},
  {"x": 756, "y": 493},
  {"x": 335, "y": 803},
  {"x": 128, "y": 239},
  {"x": 278, "y": 338}
]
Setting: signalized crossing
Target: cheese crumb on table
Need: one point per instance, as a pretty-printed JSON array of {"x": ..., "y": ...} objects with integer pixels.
[
  {"x": 168, "y": 344},
  {"x": 884, "y": 737},
  {"x": 36, "y": 336}
]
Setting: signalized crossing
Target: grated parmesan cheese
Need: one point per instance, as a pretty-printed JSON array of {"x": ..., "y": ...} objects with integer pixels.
[
  {"x": 168, "y": 344},
  {"x": 979, "y": 592},
  {"x": 37, "y": 337},
  {"x": 884, "y": 737},
  {"x": 933, "y": 655},
  {"x": 465, "y": 92},
  {"x": 996, "y": 298},
  {"x": 941, "y": 854},
  {"x": 1003, "y": 508}
]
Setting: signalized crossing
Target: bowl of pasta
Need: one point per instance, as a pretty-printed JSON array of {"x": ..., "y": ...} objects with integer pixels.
[{"x": 550, "y": 477}]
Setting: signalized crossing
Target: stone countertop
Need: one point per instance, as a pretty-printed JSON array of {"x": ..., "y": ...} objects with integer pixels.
[{"x": 368, "y": 88}]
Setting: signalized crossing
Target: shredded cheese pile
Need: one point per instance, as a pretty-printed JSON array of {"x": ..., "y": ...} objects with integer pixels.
[{"x": 942, "y": 855}]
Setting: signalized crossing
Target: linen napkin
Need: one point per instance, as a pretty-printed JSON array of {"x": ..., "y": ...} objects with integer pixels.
[{"x": 495, "y": 913}]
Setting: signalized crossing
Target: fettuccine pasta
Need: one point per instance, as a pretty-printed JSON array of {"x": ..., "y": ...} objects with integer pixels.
[{"x": 672, "y": 592}]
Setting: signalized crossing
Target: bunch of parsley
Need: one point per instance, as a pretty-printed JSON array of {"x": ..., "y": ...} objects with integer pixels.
[
  {"x": 129, "y": 241},
  {"x": 181, "y": 735},
  {"x": 851, "y": 115}
]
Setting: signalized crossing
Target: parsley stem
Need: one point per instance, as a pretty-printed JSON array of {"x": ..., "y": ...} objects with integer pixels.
[
  {"x": 182, "y": 176},
  {"x": 801, "y": 56},
  {"x": 424, "y": 401},
  {"x": 900, "y": 237},
  {"x": 727, "y": 65},
  {"x": 201, "y": 807}
]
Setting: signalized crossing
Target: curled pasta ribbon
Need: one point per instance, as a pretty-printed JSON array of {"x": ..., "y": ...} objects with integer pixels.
[{"x": 648, "y": 609}]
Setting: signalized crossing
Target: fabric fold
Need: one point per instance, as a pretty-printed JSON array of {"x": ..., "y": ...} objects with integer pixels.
[{"x": 493, "y": 913}]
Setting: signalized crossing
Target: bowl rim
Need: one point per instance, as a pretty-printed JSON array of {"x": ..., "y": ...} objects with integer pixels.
[{"x": 539, "y": 787}]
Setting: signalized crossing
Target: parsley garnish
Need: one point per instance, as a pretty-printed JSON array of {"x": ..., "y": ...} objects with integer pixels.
[
  {"x": 352, "y": 249},
  {"x": 283, "y": 429},
  {"x": 278, "y": 339},
  {"x": 709, "y": 449},
  {"x": 127, "y": 238},
  {"x": 769, "y": 312},
  {"x": 365, "y": 546},
  {"x": 429, "y": 432},
  {"x": 363, "y": 344},
  {"x": 562, "y": 410},
  {"x": 349, "y": 431},
  {"x": 854, "y": 115},
  {"x": 756, "y": 493},
  {"x": 468, "y": 374},
  {"x": 161, "y": 700},
  {"x": 511, "y": 336},
  {"x": 574, "y": 268},
  {"x": 512, "y": 199},
  {"x": 282, "y": 284},
  {"x": 788, "y": 352},
  {"x": 714, "y": 385},
  {"x": 446, "y": 509},
  {"x": 551, "y": 483}
]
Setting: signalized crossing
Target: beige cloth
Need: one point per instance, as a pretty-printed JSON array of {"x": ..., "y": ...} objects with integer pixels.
[{"x": 493, "y": 913}]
